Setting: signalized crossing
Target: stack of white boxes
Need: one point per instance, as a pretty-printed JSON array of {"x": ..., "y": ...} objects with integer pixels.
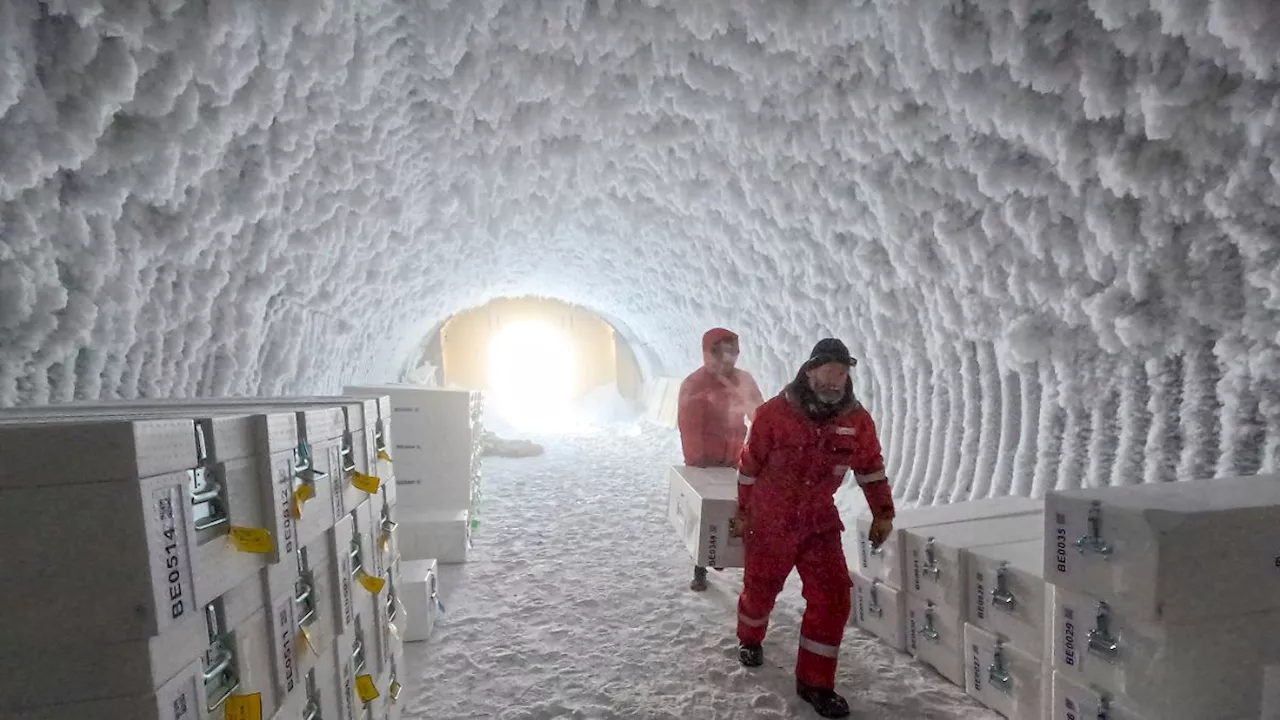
[
  {"x": 195, "y": 559},
  {"x": 1167, "y": 600},
  {"x": 1006, "y": 631},
  {"x": 1144, "y": 602},
  {"x": 913, "y": 602},
  {"x": 437, "y": 447}
]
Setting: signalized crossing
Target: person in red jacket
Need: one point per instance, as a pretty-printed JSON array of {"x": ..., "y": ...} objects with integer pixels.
[
  {"x": 802, "y": 444},
  {"x": 714, "y": 402}
]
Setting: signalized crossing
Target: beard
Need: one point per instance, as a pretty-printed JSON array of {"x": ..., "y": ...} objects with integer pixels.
[{"x": 829, "y": 396}]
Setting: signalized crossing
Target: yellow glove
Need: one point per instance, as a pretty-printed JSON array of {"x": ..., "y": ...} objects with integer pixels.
[{"x": 880, "y": 529}]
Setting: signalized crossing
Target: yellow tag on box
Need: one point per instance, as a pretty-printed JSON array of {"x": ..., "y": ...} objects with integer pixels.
[
  {"x": 367, "y": 483},
  {"x": 365, "y": 688},
  {"x": 250, "y": 540},
  {"x": 382, "y": 455},
  {"x": 311, "y": 638},
  {"x": 371, "y": 583},
  {"x": 244, "y": 707},
  {"x": 394, "y": 690},
  {"x": 301, "y": 494}
]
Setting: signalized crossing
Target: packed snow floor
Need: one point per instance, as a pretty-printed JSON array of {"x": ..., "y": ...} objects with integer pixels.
[{"x": 575, "y": 604}]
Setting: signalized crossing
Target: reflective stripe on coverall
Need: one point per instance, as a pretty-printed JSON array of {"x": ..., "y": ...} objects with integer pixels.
[{"x": 790, "y": 469}]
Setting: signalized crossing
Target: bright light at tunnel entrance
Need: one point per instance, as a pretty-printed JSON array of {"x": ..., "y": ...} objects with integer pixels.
[{"x": 532, "y": 368}]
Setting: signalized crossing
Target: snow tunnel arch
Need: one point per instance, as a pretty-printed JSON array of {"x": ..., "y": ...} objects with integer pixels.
[{"x": 535, "y": 351}]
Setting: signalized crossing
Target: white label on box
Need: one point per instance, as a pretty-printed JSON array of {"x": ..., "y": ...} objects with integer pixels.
[
  {"x": 915, "y": 570},
  {"x": 1067, "y": 529},
  {"x": 282, "y": 624},
  {"x": 1068, "y": 650},
  {"x": 864, "y": 547},
  {"x": 1059, "y": 545},
  {"x": 344, "y": 585},
  {"x": 347, "y": 691},
  {"x": 1069, "y": 707},
  {"x": 284, "y": 509},
  {"x": 980, "y": 595},
  {"x": 913, "y": 631},
  {"x": 713, "y": 538},
  {"x": 179, "y": 699},
  {"x": 337, "y": 481},
  {"x": 1076, "y": 703},
  {"x": 975, "y": 661},
  {"x": 171, "y": 561}
]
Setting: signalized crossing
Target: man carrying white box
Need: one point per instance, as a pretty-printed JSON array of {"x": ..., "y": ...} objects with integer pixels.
[
  {"x": 802, "y": 444},
  {"x": 715, "y": 401}
]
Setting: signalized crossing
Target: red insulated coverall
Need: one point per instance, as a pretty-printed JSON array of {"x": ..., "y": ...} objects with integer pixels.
[
  {"x": 713, "y": 408},
  {"x": 790, "y": 469}
]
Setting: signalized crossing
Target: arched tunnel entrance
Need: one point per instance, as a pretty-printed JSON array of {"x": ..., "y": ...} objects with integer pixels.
[{"x": 542, "y": 363}]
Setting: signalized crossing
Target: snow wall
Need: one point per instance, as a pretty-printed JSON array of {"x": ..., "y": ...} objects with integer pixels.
[{"x": 1048, "y": 228}]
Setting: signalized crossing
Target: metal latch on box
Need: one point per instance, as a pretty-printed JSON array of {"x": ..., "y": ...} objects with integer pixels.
[
  {"x": 393, "y": 683},
  {"x": 392, "y": 600},
  {"x": 304, "y": 464},
  {"x": 388, "y": 525},
  {"x": 929, "y": 631},
  {"x": 1101, "y": 641},
  {"x": 348, "y": 453},
  {"x": 1001, "y": 596},
  {"x": 221, "y": 677},
  {"x": 208, "y": 496},
  {"x": 379, "y": 437},
  {"x": 303, "y": 591},
  {"x": 357, "y": 662},
  {"x": 357, "y": 649},
  {"x": 312, "y": 710},
  {"x": 874, "y": 606},
  {"x": 435, "y": 592},
  {"x": 997, "y": 673},
  {"x": 1093, "y": 542},
  {"x": 356, "y": 552},
  {"x": 930, "y": 566}
]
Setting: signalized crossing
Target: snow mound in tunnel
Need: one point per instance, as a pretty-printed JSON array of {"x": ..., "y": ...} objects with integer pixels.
[{"x": 1047, "y": 227}]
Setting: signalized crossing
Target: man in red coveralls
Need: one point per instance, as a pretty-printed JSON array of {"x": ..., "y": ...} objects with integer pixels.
[
  {"x": 715, "y": 401},
  {"x": 802, "y": 443}
]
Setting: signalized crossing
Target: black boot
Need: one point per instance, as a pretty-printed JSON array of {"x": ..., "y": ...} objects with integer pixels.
[
  {"x": 750, "y": 655},
  {"x": 827, "y": 703},
  {"x": 699, "y": 579}
]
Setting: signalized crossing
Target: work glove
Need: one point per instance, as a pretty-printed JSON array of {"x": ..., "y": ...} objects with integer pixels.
[
  {"x": 738, "y": 524},
  {"x": 880, "y": 529}
]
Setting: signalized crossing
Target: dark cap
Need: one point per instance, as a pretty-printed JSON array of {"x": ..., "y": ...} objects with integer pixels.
[{"x": 830, "y": 350}]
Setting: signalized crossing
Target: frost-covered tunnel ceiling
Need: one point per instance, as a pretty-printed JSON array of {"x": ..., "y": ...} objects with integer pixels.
[{"x": 1049, "y": 228}]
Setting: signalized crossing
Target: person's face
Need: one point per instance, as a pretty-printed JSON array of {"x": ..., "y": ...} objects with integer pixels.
[
  {"x": 828, "y": 381},
  {"x": 725, "y": 355}
]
